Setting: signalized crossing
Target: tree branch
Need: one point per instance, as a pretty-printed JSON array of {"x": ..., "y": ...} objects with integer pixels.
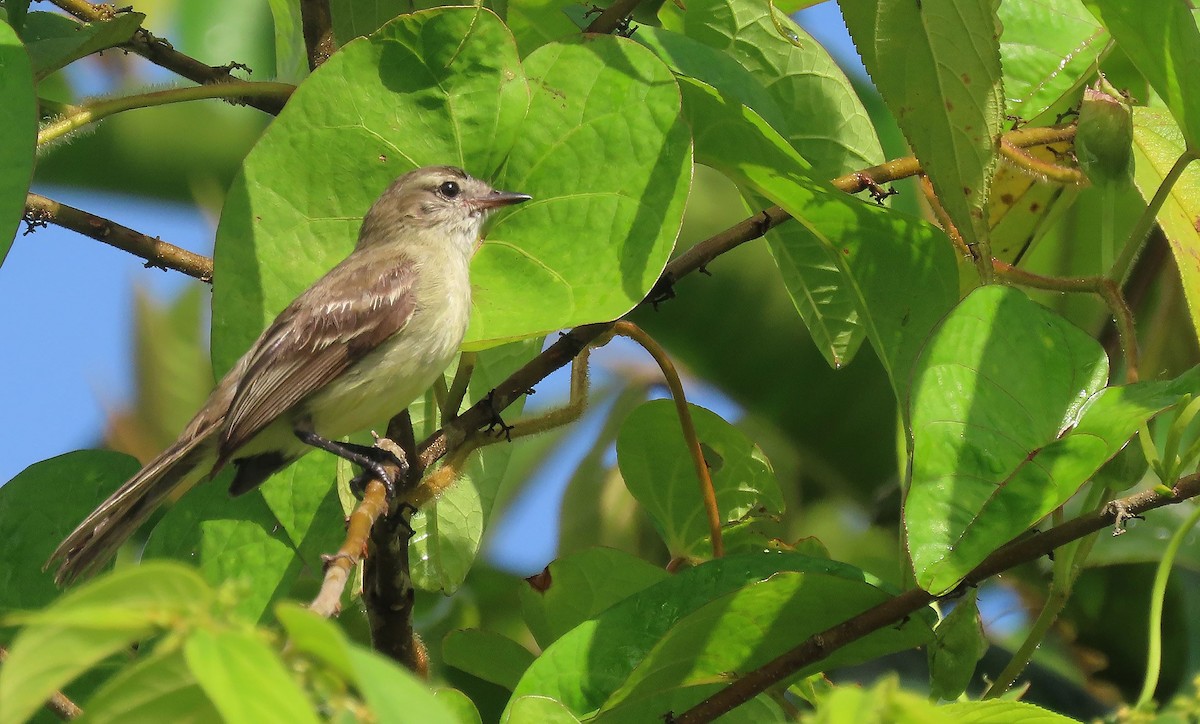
[
  {"x": 40, "y": 211},
  {"x": 338, "y": 566},
  {"x": 163, "y": 54},
  {"x": 317, "y": 25},
  {"x": 894, "y": 610}
]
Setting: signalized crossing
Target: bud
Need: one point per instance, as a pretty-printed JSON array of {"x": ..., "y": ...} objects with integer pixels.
[{"x": 1104, "y": 137}]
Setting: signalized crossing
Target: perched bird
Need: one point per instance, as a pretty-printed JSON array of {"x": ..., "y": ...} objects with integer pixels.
[{"x": 357, "y": 346}]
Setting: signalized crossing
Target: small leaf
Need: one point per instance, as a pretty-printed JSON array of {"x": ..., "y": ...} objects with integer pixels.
[
  {"x": 55, "y": 40},
  {"x": 1104, "y": 137},
  {"x": 959, "y": 643},
  {"x": 158, "y": 687},
  {"x": 537, "y": 709},
  {"x": 659, "y": 472}
]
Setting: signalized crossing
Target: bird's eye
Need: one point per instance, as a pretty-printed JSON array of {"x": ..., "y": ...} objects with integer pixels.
[{"x": 449, "y": 189}]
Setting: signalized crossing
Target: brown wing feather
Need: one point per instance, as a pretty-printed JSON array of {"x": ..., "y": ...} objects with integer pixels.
[{"x": 314, "y": 340}]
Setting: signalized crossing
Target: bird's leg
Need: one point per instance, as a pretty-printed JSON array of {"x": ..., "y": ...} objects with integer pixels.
[{"x": 370, "y": 459}]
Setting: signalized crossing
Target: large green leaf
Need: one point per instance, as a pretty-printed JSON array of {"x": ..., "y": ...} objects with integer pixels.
[
  {"x": 659, "y": 472},
  {"x": 381, "y": 106},
  {"x": 1157, "y": 144},
  {"x": 158, "y": 687},
  {"x": 39, "y": 507},
  {"x": 604, "y": 651},
  {"x": 1163, "y": 42},
  {"x": 537, "y": 22},
  {"x": 488, "y": 655},
  {"x": 18, "y": 118},
  {"x": 1048, "y": 47},
  {"x": 826, "y": 122},
  {"x": 580, "y": 586},
  {"x": 745, "y": 629},
  {"x": 608, "y": 159},
  {"x": 995, "y": 447},
  {"x": 899, "y": 271},
  {"x": 937, "y": 65}
]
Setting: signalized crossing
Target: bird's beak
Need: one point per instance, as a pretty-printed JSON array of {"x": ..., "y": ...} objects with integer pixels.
[{"x": 496, "y": 199}]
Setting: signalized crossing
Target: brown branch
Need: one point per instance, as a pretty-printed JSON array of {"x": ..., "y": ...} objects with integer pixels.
[
  {"x": 317, "y": 25},
  {"x": 40, "y": 211},
  {"x": 161, "y": 53},
  {"x": 895, "y": 610},
  {"x": 328, "y": 601}
]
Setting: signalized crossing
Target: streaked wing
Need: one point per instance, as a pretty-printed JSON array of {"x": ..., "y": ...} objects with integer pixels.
[{"x": 315, "y": 339}]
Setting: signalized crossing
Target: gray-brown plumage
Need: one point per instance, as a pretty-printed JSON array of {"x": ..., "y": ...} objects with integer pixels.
[{"x": 357, "y": 346}]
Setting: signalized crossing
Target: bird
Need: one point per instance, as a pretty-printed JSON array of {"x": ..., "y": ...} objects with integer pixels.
[{"x": 359, "y": 345}]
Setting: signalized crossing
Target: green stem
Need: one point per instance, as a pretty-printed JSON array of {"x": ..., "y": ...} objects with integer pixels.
[
  {"x": 1141, "y": 230},
  {"x": 1157, "y": 593},
  {"x": 1067, "y": 566},
  {"x": 97, "y": 110}
]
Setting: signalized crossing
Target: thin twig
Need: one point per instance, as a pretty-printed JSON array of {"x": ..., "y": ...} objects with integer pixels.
[
  {"x": 40, "y": 211},
  {"x": 896, "y": 609},
  {"x": 338, "y": 566},
  {"x": 162, "y": 53},
  {"x": 707, "y": 494},
  {"x": 94, "y": 111}
]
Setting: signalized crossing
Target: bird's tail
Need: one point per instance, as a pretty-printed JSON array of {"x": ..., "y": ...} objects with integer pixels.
[{"x": 99, "y": 536}]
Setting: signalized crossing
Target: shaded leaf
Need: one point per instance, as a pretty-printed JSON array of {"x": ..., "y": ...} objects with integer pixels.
[
  {"x": 488, "y": 655},
  {"x": 19, "y": 119},
  {"x": 55, "y": 40},
  {"x": 244, "y": 678}
]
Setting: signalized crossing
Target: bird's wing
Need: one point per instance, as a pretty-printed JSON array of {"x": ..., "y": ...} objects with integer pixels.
[{"x": 315, "y": 339}]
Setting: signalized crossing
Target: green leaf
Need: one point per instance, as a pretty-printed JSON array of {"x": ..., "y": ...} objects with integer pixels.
[
  {"x": 55, "y": 40},
  {"x": 1163, "y": 42},
  {"x": 992, "y": 711},
  {"x": 488, "y": 655},
  {"x": 157, "y": 688},
  {"x": 537, "y": 709},
  {"x": 91, "y": 623},
  {"x": 899, "y": 272},
  {"x": 614, "y": 642},
  {"x": 1048, "y": 48},
  {"x": 883, "y": 703},
  {"x": 245, "y": 679},
  {"x": 593, "y": 98},
  {"x": 394, "y": 695},
  {"x": 230, "y": 539},
  {"x": 39, "y": 507},
  {"x": 995, "y": 448},
  {"x": 659, "y": 472},
  {"x": 827, "y": 123},
  {"x": 959, "y": 643},
  {"x": 535, "y": 23},
  {"x": 937, "y": 65},
  {"x": 291, "y": 61},
  {"x": 303, "y": 500},
  {"x": 458, "y": 705},
  {"x": 580, "y": 586},
  {"x": 742, "y": 631},
  {"x": 690, "y": 57},
  {"x": 1104, "y": 137},
  {"x": 15, "y": 12},
  {"x": 1157, "y": 144},
  {"x": 19, "y": 119},
  {"x": 316, "y": 636},
  {"x": 379, "y": 107}
]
